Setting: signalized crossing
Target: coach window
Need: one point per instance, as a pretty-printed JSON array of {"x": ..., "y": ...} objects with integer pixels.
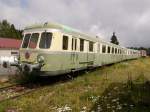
[
  {"x": 72, "y": 45},
  {"x": 104, "y": 49},
  {"x": 26, "y": 41},
  {"x": 45, "y": 41},
  {"x": 91, "y": 46},
  {"x": 98, "y": 47},
  {"x": 108, "y": 49},
  {"x": 112, "y": 50},
  {"x": 122, "y": 51},
  {"x": 115, "y": 50},
  {"x": 65, "y": 43},
  {"x": 81, "y": 45},
  {"x": 118, "y": 51},
  {"x": 33, "y": 40},
  {"x": 75, "y": 44}
]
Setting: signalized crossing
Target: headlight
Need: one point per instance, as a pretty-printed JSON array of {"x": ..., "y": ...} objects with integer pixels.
[{"x": 40, "y": 59}]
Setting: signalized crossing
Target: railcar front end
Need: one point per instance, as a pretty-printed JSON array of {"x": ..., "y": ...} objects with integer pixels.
[{"x": 38, "y": 52}]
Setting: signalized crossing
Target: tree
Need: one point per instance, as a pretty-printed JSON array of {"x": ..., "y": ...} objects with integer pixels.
[
  {"x": 9, "y": 30},
  {"x": 114, "y": 39}
]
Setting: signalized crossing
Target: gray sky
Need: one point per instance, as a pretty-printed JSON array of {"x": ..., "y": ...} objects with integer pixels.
[{"x": 130, "y": 19}]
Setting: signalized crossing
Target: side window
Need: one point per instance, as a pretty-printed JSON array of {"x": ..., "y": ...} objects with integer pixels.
[
  {"x": 104, "y": 49},
  {"x": 118, "y": 51},
  {"x": 122, "y": 51},
  {"x": 91, "y": 46},
  {"x": 108, "y": 49},
  {"x": 75, "y": 44},
  {"x": 115, "y": 50},
  {"x": 72, "y": 45},
  {"x": 98, "y": 47},
  {"x": 65, "y": 43},
  {"x": 112, "y": 50},
  {"x": 45, "y": 41},
  {"x": 81, "y": 45}
]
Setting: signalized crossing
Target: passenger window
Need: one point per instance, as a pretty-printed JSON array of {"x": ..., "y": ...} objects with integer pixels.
[
  {"x": 118, "y": 51},
  {"x": 91, "y": 46},
  {"x": 121, "y": 51},
  {"x": 26, "y": 41},
  {"x": 103, "y": 49},
  {"x": 81, "y": 45},
  {"x": 33, "y": 41},
  {"x": 112, "y": 50},
  {"x": 115, "y": 50},
  {"x": 75, "y": 44},
  {"x": 108, "y": 49},
  {"x": 72, "y": 44},
  {"x": 65, "y": 43},
  {"x": 45, "y": 41}
]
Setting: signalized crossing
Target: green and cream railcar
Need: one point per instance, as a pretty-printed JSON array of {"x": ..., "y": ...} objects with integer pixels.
[{"x": 53, "y": 49}]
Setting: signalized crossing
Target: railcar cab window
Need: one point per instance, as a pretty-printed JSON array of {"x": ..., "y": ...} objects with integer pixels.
[
  {"x": 81, "y": 45},
  {"x": 45, "y": 41},
  {"x": 33, "y": 40},
  {"x": 104, "y": 49},
  {"x": 65, "y": 43},
  {"x": 26, "y": 40},
  {"x": 91, "y": 46}
]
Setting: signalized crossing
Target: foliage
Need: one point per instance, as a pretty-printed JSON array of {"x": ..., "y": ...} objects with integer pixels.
[
  {"x": 8, "y": 30},
  {"x": 114, "y": 39},
  {"x": 83, "y": 92}
]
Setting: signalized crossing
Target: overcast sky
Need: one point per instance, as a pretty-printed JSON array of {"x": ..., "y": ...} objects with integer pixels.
[{"x": 130, "y": 19}]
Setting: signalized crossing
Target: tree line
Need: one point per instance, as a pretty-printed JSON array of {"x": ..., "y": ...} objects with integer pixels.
[{"x": 8, "y": 30}]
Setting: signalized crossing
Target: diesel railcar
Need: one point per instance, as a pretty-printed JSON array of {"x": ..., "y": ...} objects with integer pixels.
[{"x": 54, "y": 49}]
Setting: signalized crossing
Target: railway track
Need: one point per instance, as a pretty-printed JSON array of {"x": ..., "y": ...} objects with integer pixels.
[{"x": 15, "y": 91}]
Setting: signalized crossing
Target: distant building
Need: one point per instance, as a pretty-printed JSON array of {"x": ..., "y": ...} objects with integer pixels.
[
  {"x": 9, "y": 50},
  {"x": 7, "y": 43}
]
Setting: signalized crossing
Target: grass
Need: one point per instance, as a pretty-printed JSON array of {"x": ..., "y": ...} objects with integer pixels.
[
  {"x": 124, "y": 97},
  {"x": 82, "y": 93}
]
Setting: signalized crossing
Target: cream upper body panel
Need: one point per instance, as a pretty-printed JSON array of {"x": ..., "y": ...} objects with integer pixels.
[{"x": 59, "y": 30}]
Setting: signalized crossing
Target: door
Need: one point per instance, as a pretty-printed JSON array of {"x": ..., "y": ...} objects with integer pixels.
[
  {"x": 90, "y": 54},
  {"x": 74, "y": 56}
]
